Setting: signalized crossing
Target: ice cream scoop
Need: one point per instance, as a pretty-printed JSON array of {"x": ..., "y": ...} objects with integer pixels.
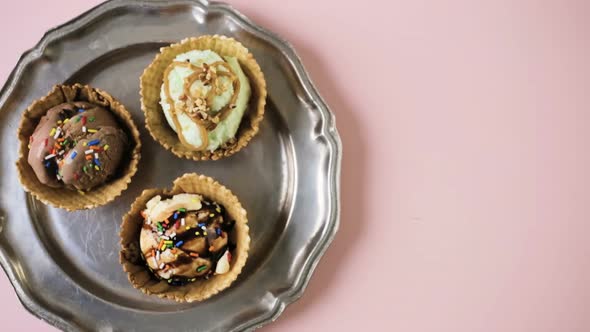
[{"x": 77, "y": 145}]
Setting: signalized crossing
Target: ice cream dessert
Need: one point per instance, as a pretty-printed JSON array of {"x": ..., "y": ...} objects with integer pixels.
[
  {"x": 203, "y": 97},
  {"x": 76, "y": 145},
  {"x": 186, "y": 237},
  {"x": 186, "y": 243}
]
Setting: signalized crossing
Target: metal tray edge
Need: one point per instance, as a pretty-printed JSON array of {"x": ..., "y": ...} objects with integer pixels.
[{"x": 329, "y": 129}]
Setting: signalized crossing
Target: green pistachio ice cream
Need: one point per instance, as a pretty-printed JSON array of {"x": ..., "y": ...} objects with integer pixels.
[{"x": 177, "y": 78}]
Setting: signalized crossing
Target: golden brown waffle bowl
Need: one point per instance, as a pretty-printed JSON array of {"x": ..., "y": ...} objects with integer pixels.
[
  {"x": 136, "y": 268},
  {"x": 151, "y": 83},
  {"x": 63, "y": 197}
]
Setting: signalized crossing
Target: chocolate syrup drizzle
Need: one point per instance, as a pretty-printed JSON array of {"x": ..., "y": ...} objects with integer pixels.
[{"x": 212, "y": 221}]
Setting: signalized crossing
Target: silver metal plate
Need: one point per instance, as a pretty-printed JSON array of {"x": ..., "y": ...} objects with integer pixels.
[{"x": 64, "y": 266}]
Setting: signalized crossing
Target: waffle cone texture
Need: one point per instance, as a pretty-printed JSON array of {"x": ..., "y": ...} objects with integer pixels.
[
  {"x": 136, "y": 268},
  {"x": 63, "y": 197},
  {"x": 153, "y": 77}
]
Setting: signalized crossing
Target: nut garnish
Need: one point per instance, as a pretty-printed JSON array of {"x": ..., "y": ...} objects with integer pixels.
[
  {"x": 208, "y": 73},
  {"x": 198, "y": 107}
]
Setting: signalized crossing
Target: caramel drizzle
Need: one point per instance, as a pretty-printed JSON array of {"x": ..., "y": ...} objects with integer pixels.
[{"x": 204, "y": 126}]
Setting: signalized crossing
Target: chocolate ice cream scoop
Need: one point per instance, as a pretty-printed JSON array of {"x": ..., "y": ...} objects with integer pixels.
[
  {"x": 77, "y": 145},
  {"x": 41, "y": 143},
  {"x": 89, "y": 121},
  {"x": 94, "y": 158}
]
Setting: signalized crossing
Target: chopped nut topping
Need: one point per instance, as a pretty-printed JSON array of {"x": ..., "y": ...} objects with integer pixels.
[
  {"x": 203, "y": 115},
  {"x": 208, "y": 74},
  {"x": 201, "y": 104},
  {"x": 198, "y": 107},
  {"x": 195, "y": 102}
]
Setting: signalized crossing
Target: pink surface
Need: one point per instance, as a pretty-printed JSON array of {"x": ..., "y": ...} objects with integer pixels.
[{"x": 465, "y": 182}]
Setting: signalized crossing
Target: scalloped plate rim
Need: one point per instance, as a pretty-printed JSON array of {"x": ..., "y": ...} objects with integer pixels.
[{"x": 283, "y": 299}]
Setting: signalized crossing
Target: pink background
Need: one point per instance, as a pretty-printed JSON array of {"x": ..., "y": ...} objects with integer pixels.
[{"x": 465, "y": 180}]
